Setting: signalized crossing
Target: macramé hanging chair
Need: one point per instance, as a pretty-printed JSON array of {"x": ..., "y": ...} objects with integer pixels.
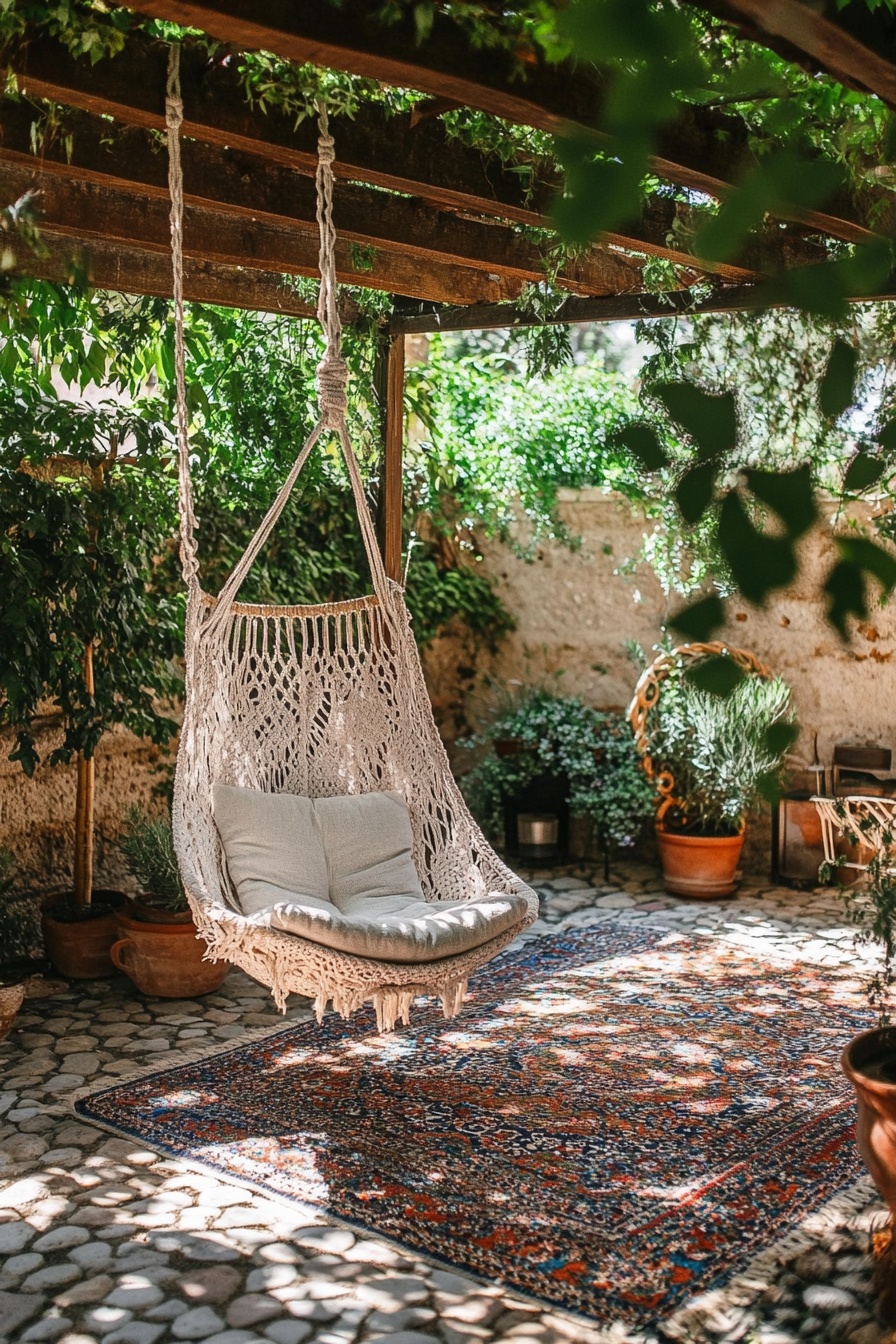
[{"x": 314, "y": 700}]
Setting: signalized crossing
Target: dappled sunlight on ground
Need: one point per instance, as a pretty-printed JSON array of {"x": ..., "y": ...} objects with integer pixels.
[{"x": 105, "y": 1242}]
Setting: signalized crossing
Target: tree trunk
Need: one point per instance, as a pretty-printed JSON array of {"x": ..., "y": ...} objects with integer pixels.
[{"x": 84, "y": 806}]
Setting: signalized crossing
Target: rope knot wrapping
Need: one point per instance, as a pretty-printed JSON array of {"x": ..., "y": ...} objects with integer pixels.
[
  {"x": 332, "y": 385},
  {"x": 326, "y": 148}
]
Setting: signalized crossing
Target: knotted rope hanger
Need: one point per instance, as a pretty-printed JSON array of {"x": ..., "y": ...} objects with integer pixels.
[{"x": 332, "y": 371}]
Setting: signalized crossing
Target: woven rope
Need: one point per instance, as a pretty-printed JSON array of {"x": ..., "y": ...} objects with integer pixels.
[
  {"x": 315, "y": 700},
  {"x": 174, "y": 115},
  {"x": 332, "y": 374}
]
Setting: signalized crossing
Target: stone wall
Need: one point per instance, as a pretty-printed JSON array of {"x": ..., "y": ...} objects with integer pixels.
[
  {"x": 576, "y": 611},
  {"x": 37, "y": 815}
]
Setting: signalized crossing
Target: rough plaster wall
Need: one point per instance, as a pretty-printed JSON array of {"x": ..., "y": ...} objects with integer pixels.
[
  {"x": 575, "y": 611},
  {"x": 37, "y": 815}
]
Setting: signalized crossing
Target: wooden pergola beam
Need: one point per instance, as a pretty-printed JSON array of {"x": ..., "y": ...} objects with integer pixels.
[
  {"x": 383, "y": 150},
  {"x": 131, "y": 270},
  {"x": 87, "y": 210},
  {"x": 793, "y": 26},
  {"x": 704, "y": 150},
  {"x": 391, "y": 152},
  {"x": 610, "y": 308},
  {"x": 248, "y": 187}
]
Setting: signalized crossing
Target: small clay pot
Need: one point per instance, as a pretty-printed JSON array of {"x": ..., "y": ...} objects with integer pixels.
[
  {"x": 703, "y": 867},
  {"x": 869, "y": 1062},
  {"x": 79, "y": 949},
  {"x": 11, "y": 997},
  {"x": 142, "y": 908},
  {"x": 165, "y": 960}
]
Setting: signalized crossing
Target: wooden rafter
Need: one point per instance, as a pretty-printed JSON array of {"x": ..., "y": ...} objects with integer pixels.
[
  {"x": 704, "y": 150},
  {"x": 248, "y": 187},
  {"x": 132, "y": 270},
  {"x": 610, "y": 308},
  {"x": 827, "y": 44},
  {"x": 87, "y": 211},
  {"x": 391, "y": 152}
]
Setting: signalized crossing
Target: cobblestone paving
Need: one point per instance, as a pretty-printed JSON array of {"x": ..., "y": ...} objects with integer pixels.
[{"x": 103, "y": 1243}]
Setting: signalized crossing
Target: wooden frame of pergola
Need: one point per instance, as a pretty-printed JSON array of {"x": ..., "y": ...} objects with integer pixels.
[{"x": 420, "y": 215}]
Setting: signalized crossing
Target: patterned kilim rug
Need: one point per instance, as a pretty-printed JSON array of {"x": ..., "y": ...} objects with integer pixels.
[{"x": 619, "y": 1119}]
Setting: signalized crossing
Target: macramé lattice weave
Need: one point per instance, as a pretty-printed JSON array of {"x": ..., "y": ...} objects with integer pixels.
[{"x": 319, "y": 701}]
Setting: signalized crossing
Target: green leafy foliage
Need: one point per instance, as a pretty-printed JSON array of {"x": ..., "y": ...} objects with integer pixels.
[
  {"x": 747, "y": 521},
  {"x": 695, "y": 490},
  {"x": 862, "y": 472},
  {"x": 782, "y": 183},
  {"x": 711, "y": 421},
  {"x": 501, "y": 443},
  {"x": 147, "y": 846},
  {"x": 717, "y": 674},
  {"x": 698, "y": 620},
  {"x": 563, "y": 736},
  {"x": 644, "y": 444},
  {"x": 861, "y": 562},
  {"x": 837, "y": 389},
  {"x": 79, "y": 535},
  {"x": 102, "y": 564},
  {"x": 722, "y": 740}
]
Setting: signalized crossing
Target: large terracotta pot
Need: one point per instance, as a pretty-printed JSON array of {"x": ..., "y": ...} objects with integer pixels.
[
  {"x": 144, "y": 910},
  {"x": 165, "y": 960},
  {"x": 703, "y": 867},
  {"x": 79, "y": 949},
  {"x": 869, "y": 1063}
]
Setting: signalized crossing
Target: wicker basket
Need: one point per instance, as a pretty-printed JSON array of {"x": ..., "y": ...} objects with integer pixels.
[
  {"x": 11, "y": 997},
  {"x": 647, "y": 693}
]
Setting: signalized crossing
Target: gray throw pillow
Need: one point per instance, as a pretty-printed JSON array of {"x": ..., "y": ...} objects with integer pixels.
[
  {"x": 271, "y": 840},
  {"x": 369, "y": 847}
]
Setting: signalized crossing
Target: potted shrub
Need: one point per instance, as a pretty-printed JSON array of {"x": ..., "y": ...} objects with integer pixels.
[
  {"x": 711, "y": 758},
  {"x": 158, "y": 946},
  {"x": 84, "y": 632},
  {"x": 559, "y": 737},
  {"x": 16, "y": 935}
]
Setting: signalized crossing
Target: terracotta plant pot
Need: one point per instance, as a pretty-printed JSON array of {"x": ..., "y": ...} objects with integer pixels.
[
  {"x": 11, "y": 997},
  {"x": 79, "y": 949},
  {"x": 703, "y": 867},
  {"x": 869, "y": 1062},
  {"x": 165, "y": 960},
  {"x": 143, "y": 909}
]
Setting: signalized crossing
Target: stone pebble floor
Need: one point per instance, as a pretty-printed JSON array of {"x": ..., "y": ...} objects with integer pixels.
[{"x": 104, "y": 1243}]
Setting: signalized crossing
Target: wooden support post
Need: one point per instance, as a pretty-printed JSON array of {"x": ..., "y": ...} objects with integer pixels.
[
  {"x": 84, "y": 805},
  {"x": 86, "y": 795},
  {"x": 392, "y": 460}
]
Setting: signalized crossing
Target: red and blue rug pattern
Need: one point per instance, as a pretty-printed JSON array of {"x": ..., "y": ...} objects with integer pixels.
[{"x": 618, "y": 1120}]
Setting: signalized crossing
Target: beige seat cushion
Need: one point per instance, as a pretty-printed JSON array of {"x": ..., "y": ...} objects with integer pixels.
[{"x": 398, "y": 928}]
